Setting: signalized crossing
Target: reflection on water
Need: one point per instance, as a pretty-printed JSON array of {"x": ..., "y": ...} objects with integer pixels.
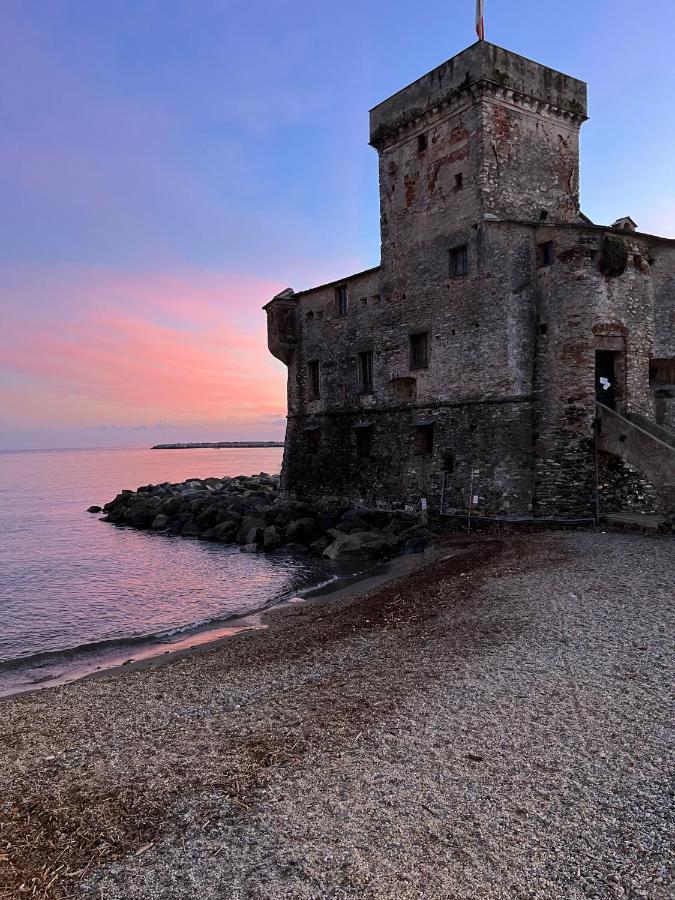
[{"x": 69, "y": 581}]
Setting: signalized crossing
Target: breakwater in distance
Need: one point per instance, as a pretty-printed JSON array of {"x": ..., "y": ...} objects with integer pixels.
[
  {"x": 249, "y": 511},
  {"x": 219, "y": 445}
]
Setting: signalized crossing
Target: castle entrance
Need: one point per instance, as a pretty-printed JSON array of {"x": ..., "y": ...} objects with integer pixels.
[{"x": 606, "y": 377}]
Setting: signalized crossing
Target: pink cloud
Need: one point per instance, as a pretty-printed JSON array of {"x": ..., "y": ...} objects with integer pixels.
[{"x": 86, "y": 346}]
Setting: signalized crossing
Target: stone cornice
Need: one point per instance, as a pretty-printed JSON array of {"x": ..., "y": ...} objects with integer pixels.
[{"x": 472, "y": 93}]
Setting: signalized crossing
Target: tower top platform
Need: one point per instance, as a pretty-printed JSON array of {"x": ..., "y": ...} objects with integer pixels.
[{"x": 481, "y": 68}]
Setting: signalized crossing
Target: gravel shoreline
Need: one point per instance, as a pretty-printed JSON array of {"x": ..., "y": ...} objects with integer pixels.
[{"x": 497, "y": 725}]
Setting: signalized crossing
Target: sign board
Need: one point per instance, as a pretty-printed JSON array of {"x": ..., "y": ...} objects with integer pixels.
[{"x": 423, "y": 501}]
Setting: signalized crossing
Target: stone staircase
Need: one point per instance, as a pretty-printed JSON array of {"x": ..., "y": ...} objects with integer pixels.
[{"x": 646, "y": 446}]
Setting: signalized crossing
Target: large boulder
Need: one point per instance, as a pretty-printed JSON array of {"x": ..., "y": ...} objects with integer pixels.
[
  {"x": 319, "y": 545},
  {"x": 160, "y": 522},
  {"x": 249, "y": 522},
  {"x": 363, "y": 545},
  {"x": 226, "y": 532},
  {"x": 190, "y": 529},
  {"x": 255, "y": 535},
  {"x": 273, "y": 537},
  {"x": 140, "y": 515},
  {"x": 172, "y": 506},
  {"x": 302, "y": 531},
  {"x": 208, "y": 517}
]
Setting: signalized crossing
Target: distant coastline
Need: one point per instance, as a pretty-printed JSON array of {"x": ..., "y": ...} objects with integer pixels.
[{"x": 217, "y": 445}]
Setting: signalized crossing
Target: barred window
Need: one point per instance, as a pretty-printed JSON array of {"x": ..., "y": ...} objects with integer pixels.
[
  {"x": 366, "y": 372},
  {"x": 341, "y": 299},
  {"x": 459, "y": 261},
  {"x": 544, "y": 254},
  {"x": 419, "y": 351},
  {"x": 314, "y": 379}
]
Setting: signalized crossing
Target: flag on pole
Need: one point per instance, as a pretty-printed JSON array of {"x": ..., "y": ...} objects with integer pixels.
[{"x": 480, "y": 27}]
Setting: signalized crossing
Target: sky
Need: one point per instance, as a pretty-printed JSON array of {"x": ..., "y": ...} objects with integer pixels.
[{"x": 167, "y": 166}]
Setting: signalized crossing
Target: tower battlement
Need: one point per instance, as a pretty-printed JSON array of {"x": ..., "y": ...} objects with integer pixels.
[{"x": 481, "y": 68}]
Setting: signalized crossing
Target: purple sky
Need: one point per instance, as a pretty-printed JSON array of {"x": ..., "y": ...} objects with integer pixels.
[{"x": 167, "y": 166}]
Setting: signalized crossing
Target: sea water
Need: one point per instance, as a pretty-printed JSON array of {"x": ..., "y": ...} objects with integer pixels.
[{"x": 78, "y": 594}]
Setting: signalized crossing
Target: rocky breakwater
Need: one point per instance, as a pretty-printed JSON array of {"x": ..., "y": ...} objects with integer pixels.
[{"x": 248, "y": 511}]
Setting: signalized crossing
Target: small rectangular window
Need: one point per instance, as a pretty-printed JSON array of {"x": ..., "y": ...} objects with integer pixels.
[
  {"x": 366, "y": 372},
  {"x": 314, "y": 379},
  {"x": 313, "y": 440},
  {"x": 459, "y": 181},
  {"x": 424, "y": 440},
  {"x": 341, "y": 299},
  {"x": 544, "y": 254},
  {"x": 364, "y": 442},
  {"x": 459, "y": 261},
  {"x": 419, "y": 351},
  {"x": 422, "y": 143}
]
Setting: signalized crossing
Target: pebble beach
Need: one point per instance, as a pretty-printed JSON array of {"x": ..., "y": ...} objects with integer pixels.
[{"x": 496, "y": 724}]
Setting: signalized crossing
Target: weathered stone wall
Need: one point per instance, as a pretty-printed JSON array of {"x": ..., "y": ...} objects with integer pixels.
[
  {"x": 580, "y": 308},
  {"x": 623, "y": 487},
  {"x": 476, "y": 390},
  {"x": 482, "y": 153},
  {"x": 663, "y": 268}
]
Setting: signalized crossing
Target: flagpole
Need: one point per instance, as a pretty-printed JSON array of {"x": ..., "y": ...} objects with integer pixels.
[{"x": 480, "y": 20}]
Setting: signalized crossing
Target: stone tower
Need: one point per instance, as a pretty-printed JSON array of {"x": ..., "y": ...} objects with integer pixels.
[{"x": 486, "y": 135}]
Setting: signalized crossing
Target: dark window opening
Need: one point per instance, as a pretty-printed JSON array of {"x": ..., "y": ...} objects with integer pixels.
[
  {"x": 543, "y": 214},
  {"x": 459, "y": 261},
  {"x": 424, "y": 440},
  {"x": 419, "y": 351},
  {"x": 375, "y": 298},
  {"x": 448, "y": 462},
  {"x": 544, "y": 254},
  {"x": 313, "y": 440},
  {"x": 422, "y": 143},
  {"x": 661, "y": 371},
  {"x": 341, "y": 299},
  {"x": 605, "y": 377},
  {"x": 366, "y": 372},
  {"x": 309, "y": 315},
  {"x": 314, "y": 379},
  {"x": 543, "y": 328},
  {"x": 364, "y": 442},
  {"x": 459, "y": 181},
  {"x": 364, "y": 301}
]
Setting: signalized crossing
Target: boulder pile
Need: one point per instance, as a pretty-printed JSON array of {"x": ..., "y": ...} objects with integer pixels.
[{"x": 247, "y": 510}]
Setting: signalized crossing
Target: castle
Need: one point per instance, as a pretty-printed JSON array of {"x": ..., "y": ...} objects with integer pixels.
[{"x": 506, "y": 347}]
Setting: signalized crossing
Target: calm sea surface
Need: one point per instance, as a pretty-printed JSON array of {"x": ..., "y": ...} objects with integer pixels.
[{"x": 78, "y": 594}]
